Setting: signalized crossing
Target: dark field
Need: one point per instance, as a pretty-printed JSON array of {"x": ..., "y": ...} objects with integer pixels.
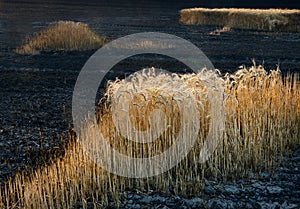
[{"x": 36, "y": 90}]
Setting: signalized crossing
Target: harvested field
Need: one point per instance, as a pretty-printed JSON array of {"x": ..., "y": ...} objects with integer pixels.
[{"x": 35, "y": 110}]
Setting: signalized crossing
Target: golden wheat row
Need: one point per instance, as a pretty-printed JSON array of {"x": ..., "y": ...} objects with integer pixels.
[
  {"x": 262, "y": 120},
  {"x": 242, "y": 18}
]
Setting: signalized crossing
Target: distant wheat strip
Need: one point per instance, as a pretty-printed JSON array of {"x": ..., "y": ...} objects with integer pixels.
[{"x": 254, "y": 19}]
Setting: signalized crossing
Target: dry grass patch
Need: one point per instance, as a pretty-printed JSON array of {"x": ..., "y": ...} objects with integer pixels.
[
  {"x": 62, "y": 35},
  {"x": 254, "y": 19},
  {"x": 220, "y": 31},
  {"x": 262, "y": 124}
]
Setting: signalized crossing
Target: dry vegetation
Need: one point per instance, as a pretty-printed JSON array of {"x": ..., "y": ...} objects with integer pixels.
[
  {"x": 62, "y": 35},
  {"x": 262, "y": 124},
  {"x": 143, "y": 44},
  {"x": 255, "y": 19},
  {"x": 220, "y": 31}
]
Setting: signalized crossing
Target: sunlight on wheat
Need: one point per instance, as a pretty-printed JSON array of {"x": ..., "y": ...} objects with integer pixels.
[
  {"x": 62, "y": 35},
  {"x": 262, "y": 120}
]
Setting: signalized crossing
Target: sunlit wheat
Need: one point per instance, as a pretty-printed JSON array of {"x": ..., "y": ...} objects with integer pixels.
[
  {"x": 62, "y": 35},
  {"x": 262, "y": 121},
  {"x": 255, "y": 19}
]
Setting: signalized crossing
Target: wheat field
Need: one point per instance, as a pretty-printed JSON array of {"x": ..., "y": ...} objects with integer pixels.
[{"x": 261, "y": 125}]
